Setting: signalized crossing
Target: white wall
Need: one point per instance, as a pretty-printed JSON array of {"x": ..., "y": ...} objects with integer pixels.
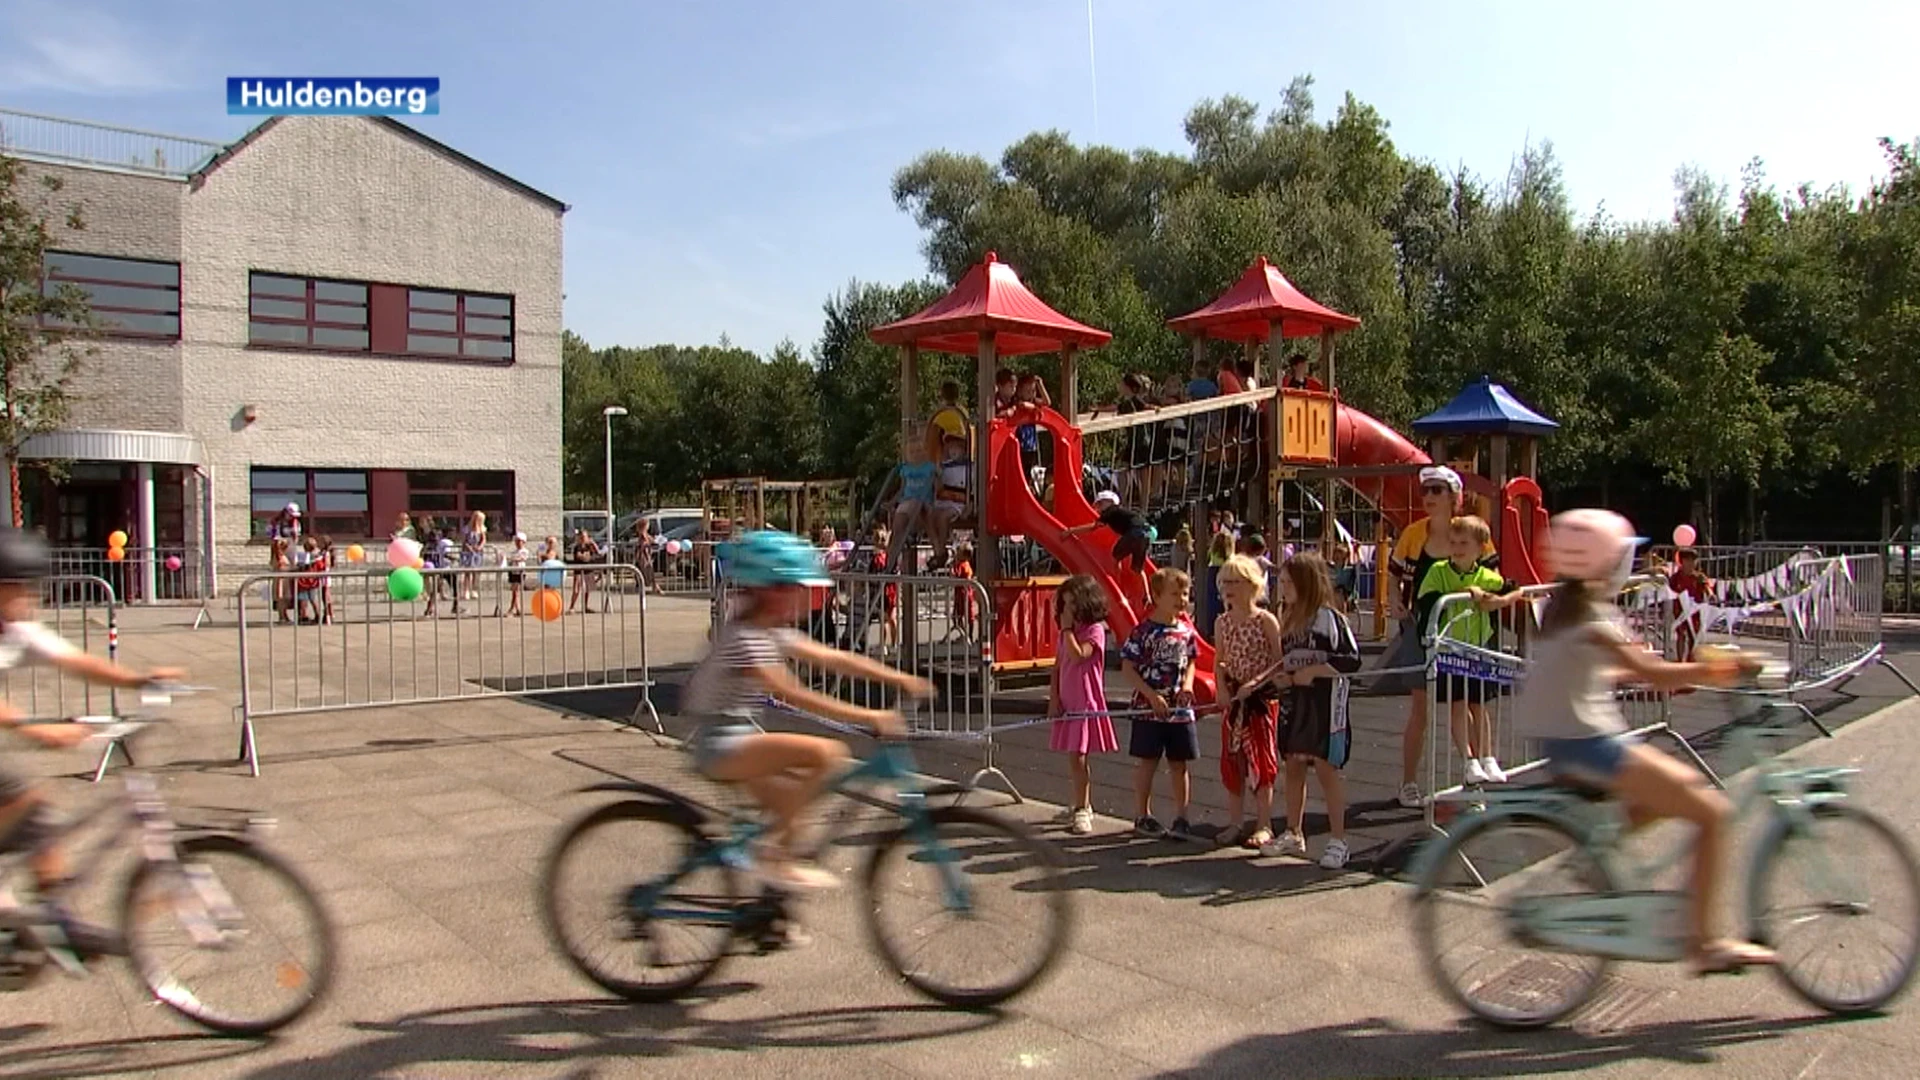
[{"x": 349, "y": 198}]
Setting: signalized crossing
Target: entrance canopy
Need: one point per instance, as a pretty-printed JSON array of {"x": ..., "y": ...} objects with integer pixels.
[
  {"x": 1262, "y": 297},
  {"x": 989, "y": 299},
  {"x": 151, "y": 447}
]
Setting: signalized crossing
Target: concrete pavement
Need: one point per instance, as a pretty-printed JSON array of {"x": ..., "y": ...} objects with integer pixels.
[{"x": 425, "y": 825}]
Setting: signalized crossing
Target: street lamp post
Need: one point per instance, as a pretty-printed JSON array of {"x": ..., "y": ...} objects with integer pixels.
[{"x": 608, "y": 414}]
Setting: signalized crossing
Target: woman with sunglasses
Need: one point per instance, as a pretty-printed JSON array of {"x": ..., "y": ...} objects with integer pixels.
[{"x": 1423, "y": 543}]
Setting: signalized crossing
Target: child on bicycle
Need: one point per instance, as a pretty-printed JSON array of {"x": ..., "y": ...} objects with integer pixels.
[
  {"x": 1567, "y": 702},
  {"x": 783, "y": 771},
  {"x": 26, "y": 820}
]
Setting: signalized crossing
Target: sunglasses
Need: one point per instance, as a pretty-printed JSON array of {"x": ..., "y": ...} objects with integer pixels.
[{"x": 1436, "y": 489}]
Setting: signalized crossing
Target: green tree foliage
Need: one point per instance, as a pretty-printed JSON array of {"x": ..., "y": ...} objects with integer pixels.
[
  {"x": 43, "y": 335},
  {"x": 1764, "y": 341}
]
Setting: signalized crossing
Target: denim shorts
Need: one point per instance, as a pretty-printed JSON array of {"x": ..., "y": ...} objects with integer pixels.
[
  {"x": 716, "y": 740},
  {"x": 1596, "y": 759}
]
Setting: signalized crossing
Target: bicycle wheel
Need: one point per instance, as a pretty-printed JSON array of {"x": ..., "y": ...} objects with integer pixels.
[
  {"x": 229, "y": 936},
  {"x": 1850, "y": 871},
  {"x": 1463, "y": 919},
  {"x": 591, "y": 879},
  {"x": 1009, "y": 930}
]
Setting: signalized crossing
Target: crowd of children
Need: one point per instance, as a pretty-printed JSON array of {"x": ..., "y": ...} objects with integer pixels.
[{"x": 1280, "y": 685}]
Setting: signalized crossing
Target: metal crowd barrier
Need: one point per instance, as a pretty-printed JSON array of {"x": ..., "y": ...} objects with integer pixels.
[
  {"x": 935, "y": 626},
  {"x": 687, "y": 572},
  {"x": 142, "y": 575},
  {"x": 83, "y": 609},
  {"x": 345, "y": 643},
  {"x": 1818, "y": 617}
]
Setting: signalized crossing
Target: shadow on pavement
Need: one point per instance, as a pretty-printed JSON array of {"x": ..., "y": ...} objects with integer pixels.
[
  {"x": 532, "y": 1033},
  {"x": 1376, "y": 1048},
  {"x": 119, "y": 1057}
]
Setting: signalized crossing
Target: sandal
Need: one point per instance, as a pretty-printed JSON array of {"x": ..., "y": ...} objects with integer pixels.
[
  {"x": 1730, "y": 958},
  {"x": 1260, "y": 838}
]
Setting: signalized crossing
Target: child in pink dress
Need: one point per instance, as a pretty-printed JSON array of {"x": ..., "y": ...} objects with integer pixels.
[{"x": 1079, "y": 692}]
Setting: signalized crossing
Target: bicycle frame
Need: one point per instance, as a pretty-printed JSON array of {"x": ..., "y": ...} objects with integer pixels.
[
  {"x": 890, "y": 767},
  {"x": 1628, "y": 923}
]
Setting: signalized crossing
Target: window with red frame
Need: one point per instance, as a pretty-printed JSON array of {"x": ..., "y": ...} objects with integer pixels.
[
  {"x": 128, "y": 297},
  {"x": 451, "y": 497},
  {"x": 465, "y": 324},
  {"x": 312, "y": 313},
  {"x": 333, "y": 502}
]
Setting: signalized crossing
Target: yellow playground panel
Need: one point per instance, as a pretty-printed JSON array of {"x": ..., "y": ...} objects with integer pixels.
[{"x": 755, "y": 502}]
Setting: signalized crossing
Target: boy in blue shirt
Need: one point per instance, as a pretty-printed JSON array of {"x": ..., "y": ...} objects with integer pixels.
[{"x": 1157, "y": 661}]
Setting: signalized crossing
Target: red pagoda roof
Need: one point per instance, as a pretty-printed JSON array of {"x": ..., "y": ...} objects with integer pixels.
[
  {"x": 989, "y": 298},
  {"x": 1262, "y": 295}
]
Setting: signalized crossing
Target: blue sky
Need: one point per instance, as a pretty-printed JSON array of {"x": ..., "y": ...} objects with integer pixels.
[{"x": 728, "y": 163}]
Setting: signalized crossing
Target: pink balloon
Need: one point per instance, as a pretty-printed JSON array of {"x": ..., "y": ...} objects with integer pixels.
[
  {"x": 1684, "y": 536},
  {"x": 173, "y": 564},
  {"x": 673, "y": 547},
  {"x": 403, "y": 552}
]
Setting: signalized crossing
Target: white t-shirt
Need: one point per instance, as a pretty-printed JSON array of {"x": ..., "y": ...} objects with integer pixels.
[
  {"x": 31, "y": 643},
  {"x": 720, "y": 686}
]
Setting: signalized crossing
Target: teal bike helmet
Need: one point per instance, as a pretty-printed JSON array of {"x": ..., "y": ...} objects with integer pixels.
[{"x": 764, "y": 559}]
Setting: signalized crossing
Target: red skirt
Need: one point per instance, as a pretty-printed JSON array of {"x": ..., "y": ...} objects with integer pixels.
[{"x": 1247, "y": 744}]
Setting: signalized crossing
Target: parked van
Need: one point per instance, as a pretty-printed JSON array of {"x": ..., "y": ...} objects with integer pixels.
[{"x": 598, "y": 523}]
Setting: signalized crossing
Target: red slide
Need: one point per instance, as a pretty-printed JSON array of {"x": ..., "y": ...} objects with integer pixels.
[
  {"x": 1013, "y": 510},
  {"x": 1362, "y": 440},
  {"x": 1359, "y": 440}
]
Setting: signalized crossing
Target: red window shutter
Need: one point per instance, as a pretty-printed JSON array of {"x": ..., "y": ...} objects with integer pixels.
[
  {"x": 387, "y": 317},
  {"x": 386, "y": 498}
]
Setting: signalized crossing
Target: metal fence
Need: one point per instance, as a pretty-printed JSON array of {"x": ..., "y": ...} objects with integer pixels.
[
  {"x": 142, "y": 575},
  {"x": 52, "y": 138},
  {"x": 936, "y": 626},
  {"x": 1818, "y": 618},
  {"x": 339, "y": 640},
  {"x": 82, "y": 609}
]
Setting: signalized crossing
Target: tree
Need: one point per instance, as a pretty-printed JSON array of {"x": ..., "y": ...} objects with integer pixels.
[{"x": 42, "y": 334}]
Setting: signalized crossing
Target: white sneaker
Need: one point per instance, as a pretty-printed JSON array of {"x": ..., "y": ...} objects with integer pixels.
[
  {"x": 1410, "y": 796},
  {"x": 1475, "y": 775},
  {"x": 1065, "y": 816},
  {"x": 1335, "y": 856},
  {"x": 1491, "y": 767},
  {"x": 1287, "y": 843},
  {"x": 1082, "y": 822}
]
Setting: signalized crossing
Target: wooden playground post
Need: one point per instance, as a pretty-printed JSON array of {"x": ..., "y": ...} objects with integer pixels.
[
  {"x": 909, "y": 389},
  {"x": 1069, "y": 385},
  {"x": 986, "y": 551}
]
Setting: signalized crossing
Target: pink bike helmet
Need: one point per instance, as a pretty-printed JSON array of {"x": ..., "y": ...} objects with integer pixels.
[{"x": 1591, "y": 545}]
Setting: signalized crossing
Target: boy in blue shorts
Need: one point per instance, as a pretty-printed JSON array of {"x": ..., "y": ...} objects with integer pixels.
[{"x": 1157, "y": 661}]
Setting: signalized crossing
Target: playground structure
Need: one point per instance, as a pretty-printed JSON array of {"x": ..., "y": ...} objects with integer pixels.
[
  {"x": 1260, "y": 453},
  {"x": 798, "y": 506}
]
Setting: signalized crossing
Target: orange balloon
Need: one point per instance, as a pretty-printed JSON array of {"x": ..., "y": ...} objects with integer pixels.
[
  {"x": 419, "y": 563},
  {"x": 546, "y": 605},
  {"x": 116, "y": 554},
  {"x": 356, "y": 553},
  {"x": 117, "y": 540}
]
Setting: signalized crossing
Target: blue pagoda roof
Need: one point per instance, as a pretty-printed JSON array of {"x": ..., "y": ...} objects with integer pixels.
[{"x": 1484, "y": 408}]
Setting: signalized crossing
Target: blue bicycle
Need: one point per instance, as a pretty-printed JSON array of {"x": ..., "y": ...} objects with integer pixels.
[
  {"x": 1524, "y": 905},
  {"x": 647, "y": 896}
]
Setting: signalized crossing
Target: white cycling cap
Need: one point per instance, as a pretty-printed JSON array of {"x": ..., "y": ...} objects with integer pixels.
[{"x": 1106, "y": 497}]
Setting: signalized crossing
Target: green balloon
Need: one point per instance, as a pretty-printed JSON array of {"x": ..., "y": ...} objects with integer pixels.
[{"x": 405, "y": 584}]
